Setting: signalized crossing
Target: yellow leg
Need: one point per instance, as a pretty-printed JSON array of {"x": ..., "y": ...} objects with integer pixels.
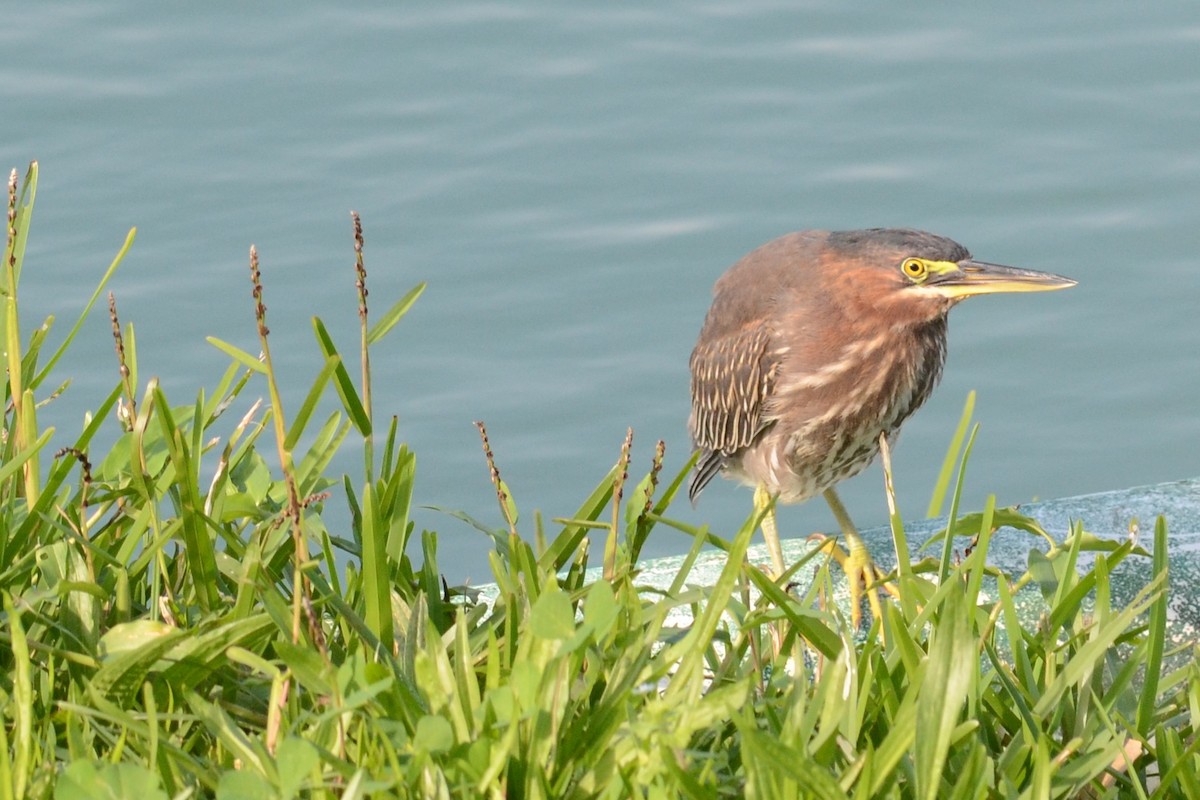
[
  {"x": 859, "y": 567},
  {"x": 762, "y": 500}
]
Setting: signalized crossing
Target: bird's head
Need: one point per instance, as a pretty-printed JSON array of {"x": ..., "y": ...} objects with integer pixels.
[{"x": 912, "y": 276}]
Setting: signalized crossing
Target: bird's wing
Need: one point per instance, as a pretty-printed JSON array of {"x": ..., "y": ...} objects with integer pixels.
[{"x": 732, "y": 376}]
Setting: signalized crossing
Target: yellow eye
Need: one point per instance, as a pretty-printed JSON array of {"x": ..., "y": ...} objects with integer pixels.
[{"x": 915, "y": 269}]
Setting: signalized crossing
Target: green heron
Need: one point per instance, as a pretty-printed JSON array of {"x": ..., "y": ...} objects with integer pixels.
[{"x": 818, "y": 344}]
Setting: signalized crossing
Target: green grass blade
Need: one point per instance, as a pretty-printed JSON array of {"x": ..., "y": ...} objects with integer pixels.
[
  {"x": 131, "y": 359},
  {"x": 808, "y": 623},
  {"x": 687, "y": 684},
  {"x": 1088, "y": 656},
  {"x": 104, "y": 279},
  {"x": 879, "y": 766},
  {"x": 948, "y": 679},
  {"x": 310, "y": 402},
  {"x": 21, "y": 699},
  {"x": 1156, "y": 633},
  {"x": 770, "y": 760},
  {"x": 237, "y": 354},
  {"x": 948, "y": 544},
  {"x": 252, "y": 754},
  {"x": 198, "y": 545},
  {"x": 17, "y": 461},
  {"x": 979, "y": 556},
  {"x": 377, "y": 605},
  {"x": 397, "y": 501},
  {"x": 565, "y": 544},
  {"x": 345, "y": 387},
  {"x": 951, "y": 459},
  {"x": 394, "y": 314}
]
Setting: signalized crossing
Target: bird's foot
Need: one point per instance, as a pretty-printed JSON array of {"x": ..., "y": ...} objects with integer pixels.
[{"x": 862, "y": 577}]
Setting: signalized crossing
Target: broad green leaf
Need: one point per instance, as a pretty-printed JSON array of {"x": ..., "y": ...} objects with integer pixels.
[
  {"x": 202, "y": 653},
  {"x": 132, "y": 636},
  {"x": 600, "y": 609},
  {"x": 552, "y": 616},
  {"x": 243, "y": 785},
  {"x": 296, "y": 759},
  {"x": 92, "y": 780},
  {"x": 434, "y": 734},
  {"x": 120, "y": 676},
  {"x": 810, "y": 624}
]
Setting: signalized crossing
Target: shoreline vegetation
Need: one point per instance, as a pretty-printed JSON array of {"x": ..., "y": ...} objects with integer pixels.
[{"x": 175, "y": 621}]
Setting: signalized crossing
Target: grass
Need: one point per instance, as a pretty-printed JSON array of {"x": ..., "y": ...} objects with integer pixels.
[{"x": 176, "y": 624}]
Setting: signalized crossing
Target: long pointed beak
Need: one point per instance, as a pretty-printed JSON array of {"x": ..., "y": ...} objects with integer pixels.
[{"x": 979, "y": 277}]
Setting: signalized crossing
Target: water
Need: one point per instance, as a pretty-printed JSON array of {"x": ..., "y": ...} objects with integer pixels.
[{"x": 570, "y": 181}]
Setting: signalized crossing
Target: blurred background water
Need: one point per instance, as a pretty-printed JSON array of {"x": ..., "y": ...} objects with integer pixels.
[{"x": 570, "y": 180}]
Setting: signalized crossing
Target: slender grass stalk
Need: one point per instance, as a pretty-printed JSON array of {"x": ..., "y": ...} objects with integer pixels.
[
  {"x": 360, "y": 285},
  {"x": 508, "y": 508},
  {"x": 300, "y": 587},
  {"x": 128, "y": 381}
]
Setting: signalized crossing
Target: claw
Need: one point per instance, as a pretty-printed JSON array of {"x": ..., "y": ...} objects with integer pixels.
[
  {"x": 861, "y": 572},
  {"x": 862, "y": 576}
]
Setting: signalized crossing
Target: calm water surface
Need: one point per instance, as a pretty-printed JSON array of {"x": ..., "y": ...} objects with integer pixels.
[{"x": 571, "y": 179}]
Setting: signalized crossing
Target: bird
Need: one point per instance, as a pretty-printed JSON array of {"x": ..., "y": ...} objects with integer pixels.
[{"x": 817, "y": 344}]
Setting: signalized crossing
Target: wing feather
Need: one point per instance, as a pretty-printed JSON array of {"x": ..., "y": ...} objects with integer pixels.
[{"x": 732, "y": 377}]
